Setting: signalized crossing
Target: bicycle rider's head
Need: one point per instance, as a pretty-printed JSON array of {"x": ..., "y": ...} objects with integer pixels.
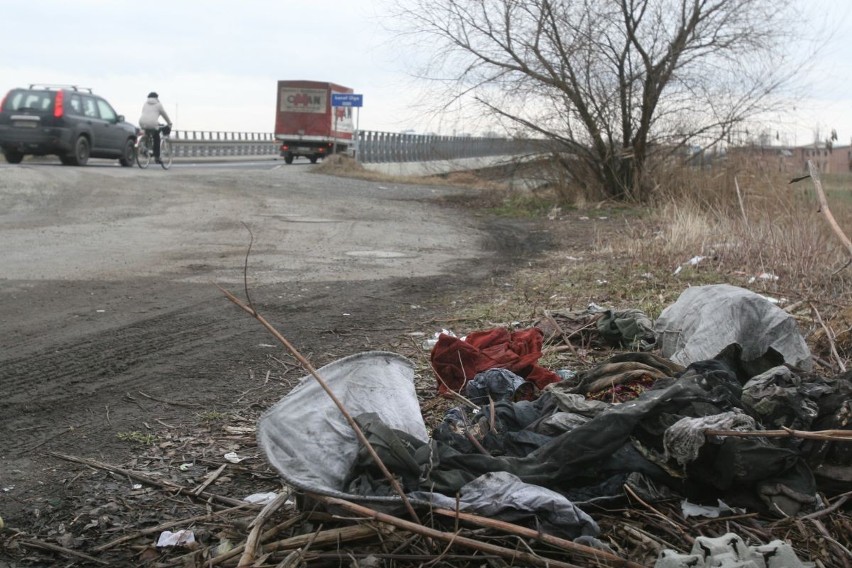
[{"x": 153, "y": 95}]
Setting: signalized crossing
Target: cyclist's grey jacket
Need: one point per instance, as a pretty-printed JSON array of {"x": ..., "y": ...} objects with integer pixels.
[{"x": 152, "y": 110}]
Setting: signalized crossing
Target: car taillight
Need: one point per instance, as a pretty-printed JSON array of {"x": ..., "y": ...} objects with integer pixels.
[
  {"x": 285, "y": 147},
  {"x": 322, "y": 150},
  {"x": 57, "y": 107}
]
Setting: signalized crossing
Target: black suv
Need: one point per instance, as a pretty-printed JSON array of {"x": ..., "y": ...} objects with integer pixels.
[{"x": 68, "y": 121}]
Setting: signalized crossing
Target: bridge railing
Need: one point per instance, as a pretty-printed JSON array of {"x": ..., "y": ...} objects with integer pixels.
[
  {"x": 379, "y": 147},
  {"x": 212, "y": 144},
  {"x": 370, "y": 146}
]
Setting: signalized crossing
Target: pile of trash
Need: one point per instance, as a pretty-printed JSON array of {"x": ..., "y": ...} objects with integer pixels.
[{"x": 715, "y": 406}]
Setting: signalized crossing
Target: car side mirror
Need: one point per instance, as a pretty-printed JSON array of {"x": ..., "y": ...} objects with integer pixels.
[{"x": 119, "y": 118}]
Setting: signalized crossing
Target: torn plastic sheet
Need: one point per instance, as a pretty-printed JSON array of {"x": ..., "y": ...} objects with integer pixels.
[
  {"x": 502, "y": 495},
  {"x": 695, "y": 510},
  {"x": 705, "y": 321}
]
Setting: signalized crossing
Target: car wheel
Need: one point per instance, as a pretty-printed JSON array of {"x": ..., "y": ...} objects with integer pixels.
[
  {"x": 128, "y": 154},
  {"x": 13, "y": 157},
  {"x": 81, "y": 153},
  {"x": 314, "y": 159},
  {"x": 288, "y": 159}
]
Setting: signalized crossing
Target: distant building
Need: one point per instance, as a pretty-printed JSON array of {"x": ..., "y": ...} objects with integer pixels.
[{"x": 794, "y": 160}]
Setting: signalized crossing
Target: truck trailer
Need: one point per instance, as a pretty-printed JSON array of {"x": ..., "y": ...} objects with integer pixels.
[{"x": 307, "y": 125}]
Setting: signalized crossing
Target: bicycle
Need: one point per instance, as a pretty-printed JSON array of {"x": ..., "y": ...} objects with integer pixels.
[{"x": 145, "y": 147}]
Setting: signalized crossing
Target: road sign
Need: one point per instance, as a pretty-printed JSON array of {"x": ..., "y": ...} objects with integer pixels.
[{"x": 346, "y": 100}]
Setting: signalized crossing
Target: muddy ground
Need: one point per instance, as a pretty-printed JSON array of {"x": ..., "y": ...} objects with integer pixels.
[{"x": 114, "y": 336}]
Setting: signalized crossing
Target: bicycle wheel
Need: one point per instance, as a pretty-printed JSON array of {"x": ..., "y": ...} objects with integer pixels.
[
  {"x": 143, "y": 154},
  {"x": 165, "y": 153}
]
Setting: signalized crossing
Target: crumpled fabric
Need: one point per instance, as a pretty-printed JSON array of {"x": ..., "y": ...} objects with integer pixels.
[
  {"x": 600, "y": 327},
  {"x": 455, "y": 360},
  {"x": 493, "y": 384},
  {"x": 628, "y": 328},
  {"x": 683, "y": 439},
  {"x": 776, "y": 397},
  {"x": 504, "y": 496}
]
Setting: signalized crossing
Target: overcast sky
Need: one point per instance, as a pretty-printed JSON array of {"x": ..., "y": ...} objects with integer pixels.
[{"x": 215, "y": 63}]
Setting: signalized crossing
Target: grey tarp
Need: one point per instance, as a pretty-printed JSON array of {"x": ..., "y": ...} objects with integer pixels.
[{"x": 705, "y": 321}]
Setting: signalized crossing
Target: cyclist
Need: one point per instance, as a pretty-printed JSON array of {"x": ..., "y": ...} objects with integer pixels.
[{"x": 152, "y": 110}]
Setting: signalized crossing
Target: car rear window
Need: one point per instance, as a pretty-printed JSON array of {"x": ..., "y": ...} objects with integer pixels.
[{"x": 32, "y": 100}]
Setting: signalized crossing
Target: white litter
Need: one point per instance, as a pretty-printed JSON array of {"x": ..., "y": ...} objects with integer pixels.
[{"x": 179, "y": 538}]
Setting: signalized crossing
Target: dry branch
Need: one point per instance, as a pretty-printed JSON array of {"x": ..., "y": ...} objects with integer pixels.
[
  {"x": 823, "y": 207},
  {"x": 827, "y": 435},
  {"x": 247, "y": 559},
  {"x": 543, "y": 537},
  {"x": 506, "y": 553},
  {"x": 151, "y": 481},
  {"x": 61, "y": 550}
]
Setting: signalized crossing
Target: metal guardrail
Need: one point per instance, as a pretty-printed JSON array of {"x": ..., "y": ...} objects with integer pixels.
[
  {"x": 390, "y": 147},
  {"x": 370, "y": 146},
  {"x": 207, "y": 144}
]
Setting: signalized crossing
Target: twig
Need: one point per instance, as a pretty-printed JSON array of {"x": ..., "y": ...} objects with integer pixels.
[
  {"x": 824, "y": 532},
  {"x": 62, "y": 550},
  {"x": 296, "y": 557},
  {"x": 658, "y": 514},
  {"x": 209, "y": 479},
  {"x": 164, "y": 526},
  {"x": 172, "y": 402},
  {"x": 740, "y": 199},
  {"x": 266, "y": 536},
  {"x": 833, "y": 507},
  {"x": 247, "y": 559},
  {"x": 310, "y": 368},
  {"x": 829, "y": 336},
  {"x": 823, "y": 207},
  {"x": 829, "y": 435},
  {"x": 530, "y": 533},
  {"x": 559, "y": 329},
  {"x": 151, "y": 481},
  {"x": 50, "y": 439},
  {"x": 513, "y": 555},
  {"x": 331, "y": 536}
]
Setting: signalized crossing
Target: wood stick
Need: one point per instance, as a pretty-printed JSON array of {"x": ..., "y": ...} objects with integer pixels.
[
  {"x": 62, "y": 550},
  {"x": 829, "y": 336},
  {"x": 823, "y": 207},
  {"x": 327, "y": 537},
  {"x": 151, "y": 481},
  {"x": 264, "y": 537},
  {"x": 310, "y": 368},
  {"x": 677, "y": 526},
  {"x": 247, "y": 559},
  {"x": 561, "y": 332},
  {"x": 543, "y": 537},
  {"x": 164, "y": 526},
  {"x": 513, "y": 555},
  {"x": 209, "y": 479},
  {"x": 828, "y": 435}
]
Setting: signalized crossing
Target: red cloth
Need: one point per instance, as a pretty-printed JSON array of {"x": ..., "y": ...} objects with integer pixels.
[{"x": 456, "y": 361}]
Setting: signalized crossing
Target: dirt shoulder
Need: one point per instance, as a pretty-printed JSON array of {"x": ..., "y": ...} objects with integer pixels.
[{"x": 150, "y": 373}]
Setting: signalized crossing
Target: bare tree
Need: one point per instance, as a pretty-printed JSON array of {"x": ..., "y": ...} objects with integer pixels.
[{"x": 611, "y": 83}]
